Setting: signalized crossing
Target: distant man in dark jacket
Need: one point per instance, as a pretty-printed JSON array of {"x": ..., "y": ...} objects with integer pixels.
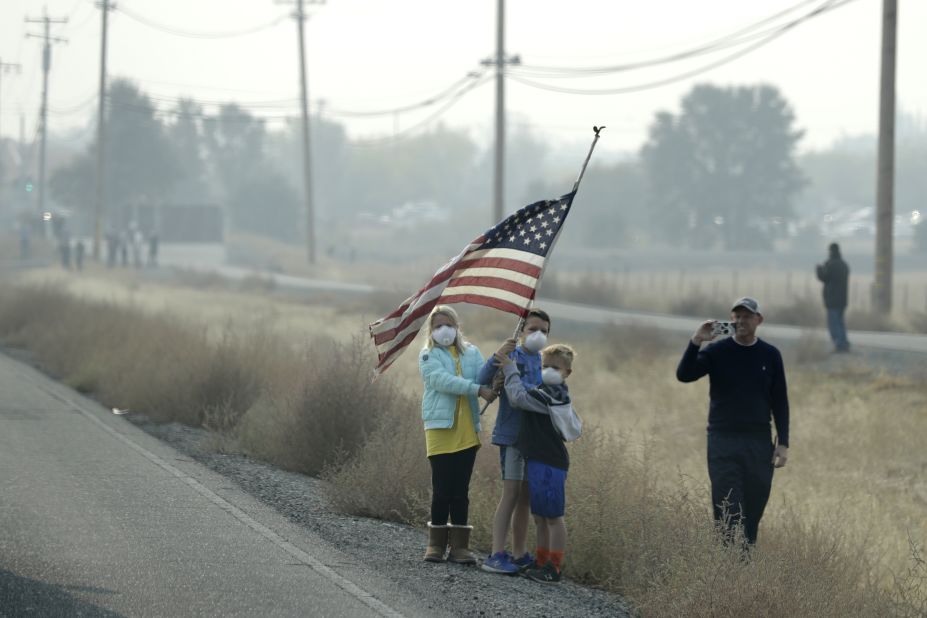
[
  {"x": 747, "y": 390},
  {"x": 835, "y": 274}
]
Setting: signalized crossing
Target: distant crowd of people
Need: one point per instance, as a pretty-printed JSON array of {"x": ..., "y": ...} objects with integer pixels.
[{"x": 127, "y": 247}]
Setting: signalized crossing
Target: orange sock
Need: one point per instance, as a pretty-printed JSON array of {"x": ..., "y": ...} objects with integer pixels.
[
  {"x": 541, "y": 556},
  {"x": 555, "y": 558}
]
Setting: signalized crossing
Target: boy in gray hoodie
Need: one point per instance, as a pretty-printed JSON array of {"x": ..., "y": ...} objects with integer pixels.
[{"x": 549, "y": 420}]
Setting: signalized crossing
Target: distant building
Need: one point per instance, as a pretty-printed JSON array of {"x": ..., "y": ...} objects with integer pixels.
[{"x": 186, "y": 233}]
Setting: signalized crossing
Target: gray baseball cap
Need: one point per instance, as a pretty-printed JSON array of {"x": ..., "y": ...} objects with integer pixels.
[{"x": 747, "y": 303}]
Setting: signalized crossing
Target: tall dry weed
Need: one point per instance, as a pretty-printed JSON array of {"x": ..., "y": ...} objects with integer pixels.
[
  {"x": 325, "y": 417},
  {"x": 390, "y": 477}
]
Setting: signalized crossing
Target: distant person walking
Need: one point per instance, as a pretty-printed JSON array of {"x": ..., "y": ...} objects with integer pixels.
[
  {"x": 449, "y": 366},
  {"x": 835, "y": 274},
  {"x": 747, "y": 386}
]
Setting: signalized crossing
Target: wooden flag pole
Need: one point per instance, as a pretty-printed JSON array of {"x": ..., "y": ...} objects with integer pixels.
[{"x": 521, "y": 321}]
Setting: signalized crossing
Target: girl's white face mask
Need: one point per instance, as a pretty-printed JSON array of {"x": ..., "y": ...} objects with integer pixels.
[
  {"x": 444, "y": 335},
  {"x": 551, "y": 376},
  {"x": 535, "y": 342}
]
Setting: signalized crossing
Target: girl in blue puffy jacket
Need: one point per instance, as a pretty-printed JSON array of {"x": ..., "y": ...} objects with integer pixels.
[{"x": 450, "y": 410}]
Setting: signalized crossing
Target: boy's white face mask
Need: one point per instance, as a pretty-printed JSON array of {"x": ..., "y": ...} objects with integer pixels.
[
  {"x": 535, "y": 342},
  {"x": 551, "y": 376},
  {"x": 444, "y": 335}
]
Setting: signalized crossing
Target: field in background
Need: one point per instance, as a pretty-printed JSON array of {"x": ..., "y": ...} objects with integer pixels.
[
  {"x": 280, "y": 378},
  {"x": 790, "y": 295}
]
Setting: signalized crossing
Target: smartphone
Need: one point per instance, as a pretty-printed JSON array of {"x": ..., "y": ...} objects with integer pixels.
[{"x": 722, "y": 329}]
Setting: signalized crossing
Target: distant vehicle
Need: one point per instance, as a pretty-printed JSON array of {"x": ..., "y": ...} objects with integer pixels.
[
  {"x": 409, "y": 215},
  {"x": 412, "y": 214},
  {"x": 861, "y": 223}
]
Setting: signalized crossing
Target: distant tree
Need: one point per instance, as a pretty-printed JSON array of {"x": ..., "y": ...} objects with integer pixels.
[
  {"x": 332, "y": 182},
  {"x": 185, "y": 135},
  {"x": 258, "y": 197},
  {"x": 724, "y": 168},
  {"x": 235, "y": 143},
  {"x": 140, "y": 164},
  {"x": 431, "y": 166}
]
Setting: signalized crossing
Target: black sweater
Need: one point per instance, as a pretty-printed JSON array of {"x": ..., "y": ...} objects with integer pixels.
[
  {"x": 747, "y": 384},
  {"x": 835, "y": 274}
]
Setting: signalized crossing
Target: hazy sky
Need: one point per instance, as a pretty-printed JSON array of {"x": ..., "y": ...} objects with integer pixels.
[{"x": 375, "y": 55}]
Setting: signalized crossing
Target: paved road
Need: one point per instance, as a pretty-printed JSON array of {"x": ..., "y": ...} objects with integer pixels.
[
  {"x": 898, "y": 342},
  {"x": 98, "y": 518}
]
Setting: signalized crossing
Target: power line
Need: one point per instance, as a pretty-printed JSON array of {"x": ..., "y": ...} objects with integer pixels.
[
  {"x": 734, "y": 38},
  {"x": 433, "y": 100},
  {"x": 73, "y": 109},
  {"x": 408, "y": 132},
  {"x": 827, "y": 6},
  {"x": 290, "y": 104},
  {"x": 199, "y": 34}
]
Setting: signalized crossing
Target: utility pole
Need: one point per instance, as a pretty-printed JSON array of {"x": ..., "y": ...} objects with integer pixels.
[
  {"x": 882, "y": 285},
  {"x": 301, "y": 17},
  {"x": 43, "y": 111},
  {"x": 100, "y": 206},
  {"x": 499, "y": 62},
  {"x": 6, "y": 67}
]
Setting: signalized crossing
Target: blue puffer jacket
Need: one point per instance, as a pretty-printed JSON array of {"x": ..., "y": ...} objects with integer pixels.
[
  {"x": 443, "y": 386},
  {"x": 508, "y": 420}
]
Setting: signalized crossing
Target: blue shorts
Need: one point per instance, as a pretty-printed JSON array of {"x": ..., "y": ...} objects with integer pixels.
[{"x": 547, "y": 488}]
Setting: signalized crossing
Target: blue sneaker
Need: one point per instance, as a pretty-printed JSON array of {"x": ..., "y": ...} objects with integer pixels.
[
  {"x": 525, "y": 562},
  {"x": 500, "y": 562}
]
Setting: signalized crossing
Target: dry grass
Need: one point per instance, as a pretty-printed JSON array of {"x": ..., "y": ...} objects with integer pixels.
[
  {"x": 843, "y": 530},
  {"x": 327, "y": 414}
]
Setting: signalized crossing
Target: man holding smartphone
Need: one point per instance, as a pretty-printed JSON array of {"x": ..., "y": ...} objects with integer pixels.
[{"x": 747, "y": 388}]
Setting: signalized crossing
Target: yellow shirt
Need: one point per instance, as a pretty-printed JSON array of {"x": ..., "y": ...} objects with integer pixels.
[{"x": 462, "y": 434}]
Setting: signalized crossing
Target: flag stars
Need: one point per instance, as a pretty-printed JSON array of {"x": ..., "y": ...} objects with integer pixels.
[
  {"x": 527, "y": 241},
  {"x": 534, "y": 228},
  {"x": 544, "y": 224},
  {"x": 543, "y": 245},
  {"x": 537, "y": 237},
  {"x": 549, "y": 232}
]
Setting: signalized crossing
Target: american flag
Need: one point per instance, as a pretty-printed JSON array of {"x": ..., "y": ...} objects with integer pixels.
[{"x": 499, "y": 269}]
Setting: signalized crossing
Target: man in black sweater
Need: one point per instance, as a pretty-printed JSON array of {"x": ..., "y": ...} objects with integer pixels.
[
  {"x": 747, "y": 386},
  {"x": 835, "y": 275}
]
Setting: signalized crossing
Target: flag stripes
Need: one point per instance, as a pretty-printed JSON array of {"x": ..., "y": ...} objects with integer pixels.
[{"x": 499, "y": 269}]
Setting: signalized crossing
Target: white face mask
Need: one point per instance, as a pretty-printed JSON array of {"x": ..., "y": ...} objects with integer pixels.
[
  {"x": 444, "y": 335},
  {"x": 551, "y": 376},
  {"x": 535, "y": 342}
]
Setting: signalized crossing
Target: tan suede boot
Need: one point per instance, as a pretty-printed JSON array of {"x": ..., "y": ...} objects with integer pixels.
[
  {"x": 459, "y": 539},
  {"x": 437, "y": 543}
]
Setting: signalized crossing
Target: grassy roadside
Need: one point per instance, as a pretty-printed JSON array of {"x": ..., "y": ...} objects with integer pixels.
[{"x": 287, "y": 383}]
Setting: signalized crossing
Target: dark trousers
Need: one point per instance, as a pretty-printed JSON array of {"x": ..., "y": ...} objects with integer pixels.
[
  {"x": 741, "y": 472},
  {"x": 450, "y": 486},
  {"x": 837, "y": 328}
]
